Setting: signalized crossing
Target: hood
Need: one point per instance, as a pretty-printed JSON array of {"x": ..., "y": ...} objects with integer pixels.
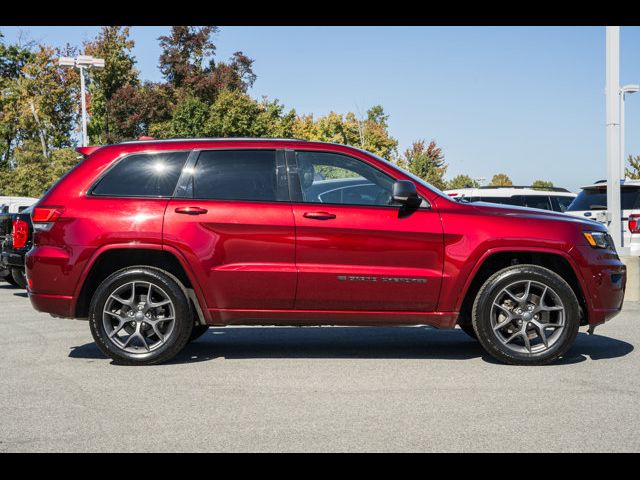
[{"x": 532, "y": 213}]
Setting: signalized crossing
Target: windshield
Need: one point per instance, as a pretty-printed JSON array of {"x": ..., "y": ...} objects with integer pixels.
[
  {"x": 596, "y": 199},
  {"x": 413, "y": 177}
]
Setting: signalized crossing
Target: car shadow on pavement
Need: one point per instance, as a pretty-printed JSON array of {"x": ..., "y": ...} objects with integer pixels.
[
  {"x": 21, "y": 294},
  {"x": 357, "y": 343}
]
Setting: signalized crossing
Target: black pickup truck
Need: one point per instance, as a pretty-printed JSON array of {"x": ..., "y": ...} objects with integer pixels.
[{"x": 16, "y": 236}]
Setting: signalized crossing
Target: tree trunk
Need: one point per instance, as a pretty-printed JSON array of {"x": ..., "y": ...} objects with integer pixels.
[{"x": 40, "y": 131}]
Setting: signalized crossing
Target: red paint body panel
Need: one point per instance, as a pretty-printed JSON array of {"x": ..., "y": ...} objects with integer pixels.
[{"x": 268, "y": 263}]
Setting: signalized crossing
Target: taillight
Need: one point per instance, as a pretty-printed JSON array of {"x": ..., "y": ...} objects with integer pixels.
[
  {"x": 43, "y": 218},
  {"x": 20, "y": 233},
  {"x": 634, "y": 223}
]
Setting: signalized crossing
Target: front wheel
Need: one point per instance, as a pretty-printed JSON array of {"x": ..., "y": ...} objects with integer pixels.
[
  {"x": 140, "y": 316},
  {"x": 526, "y": 315}
]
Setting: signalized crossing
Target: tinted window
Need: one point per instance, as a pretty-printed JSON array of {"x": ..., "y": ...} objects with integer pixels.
[
  {"x": 333, "y": 178},
  {"x": 596, "y": 199},
  {"x": 562, "y": 203},
  {"x": 143, "y": 175},
  {"x": 237, "y": 175},
  {"x": 537, "y": 201},
  {"x": 515, "y": 200}
]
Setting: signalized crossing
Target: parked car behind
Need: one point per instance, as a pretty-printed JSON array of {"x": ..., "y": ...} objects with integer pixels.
[
  {"x": 154, "y": 241},
  {"x": 551, "y": 198},
  {"x": 591, "y": 203},
  {"x": 13, "y": 247},
  {"x": 8, "y": 207}
]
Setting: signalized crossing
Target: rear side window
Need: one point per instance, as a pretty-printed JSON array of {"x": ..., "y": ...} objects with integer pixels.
[
  {"x": 143, "y": 175},
  {"x": 596, "y": 199},
  {"x": 238, "y": 175}
]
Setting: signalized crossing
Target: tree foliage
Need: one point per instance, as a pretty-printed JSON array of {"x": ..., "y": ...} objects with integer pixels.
[
  {"x": 115, "y": 47},
  {"x": 542, "y": 184},
  {"x": 462, "y": 181},
  {"x": 427, "y": 162},
  {"x": 633, "y": 171},
  {"x": 501, "y": 180}
]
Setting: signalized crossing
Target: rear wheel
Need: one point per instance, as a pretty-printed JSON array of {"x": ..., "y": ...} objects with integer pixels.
[
  {"x": 526, "y": 315},
  {"x": 140, "y": 316},
  {"x": 19, "y": 277}
]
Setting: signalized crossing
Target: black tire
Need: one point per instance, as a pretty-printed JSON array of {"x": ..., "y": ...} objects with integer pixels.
[
  {"x": 198, "y": 331},
  {"x": 19, "y": 278},
  {"x": 467, "y": 327},
  {"x": 541, "y": 277},
  {"x": 169, "y": 286},
  {"x": 9, "y": 279}
]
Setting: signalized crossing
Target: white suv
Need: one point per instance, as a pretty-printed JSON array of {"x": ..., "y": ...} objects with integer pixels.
[
  {"x": 551, "y": 198},
  {"x": 591, "y": 203}
]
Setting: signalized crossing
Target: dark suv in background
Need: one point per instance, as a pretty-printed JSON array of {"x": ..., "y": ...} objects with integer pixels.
[{"x": 154, "y": 241}]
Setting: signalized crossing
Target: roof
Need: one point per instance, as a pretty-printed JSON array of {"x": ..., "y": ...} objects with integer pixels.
[
  {"x": 213, "y": 139},
  {"x": 627, "y": 182}
]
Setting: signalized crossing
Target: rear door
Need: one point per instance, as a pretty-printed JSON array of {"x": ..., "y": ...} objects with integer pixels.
[
  {"x": 354, "y": 250},
  {"x": 232, "y": 219}
]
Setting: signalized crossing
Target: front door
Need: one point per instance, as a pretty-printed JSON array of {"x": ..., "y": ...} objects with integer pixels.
[{"x": 354, "y": 249}]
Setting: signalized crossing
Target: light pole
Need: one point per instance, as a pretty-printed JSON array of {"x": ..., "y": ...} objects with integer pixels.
[
  {"x": 612, "y": 92},
  {"x": 623, "y": 91},
  {"x": 82, "y": 62}
]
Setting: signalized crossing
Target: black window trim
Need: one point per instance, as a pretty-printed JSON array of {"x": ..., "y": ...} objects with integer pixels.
[
  {"x": 182, "y": 187},
  {"x": 295, "y": 187},
  {"x": 90, "y": 190}
]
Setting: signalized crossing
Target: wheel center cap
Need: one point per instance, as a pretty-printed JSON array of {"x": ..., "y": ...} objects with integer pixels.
[
  {"x": 139, "y": 316},
  {"x": 526, "y": 315}
]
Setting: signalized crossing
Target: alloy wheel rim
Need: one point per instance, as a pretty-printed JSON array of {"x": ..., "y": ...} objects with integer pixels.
[
  {"x": 138, "y": 317},
  {"x": 527, "y": 317}
]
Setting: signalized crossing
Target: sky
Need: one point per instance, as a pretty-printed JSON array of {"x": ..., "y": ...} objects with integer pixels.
[{"x": 525, "y": 101}]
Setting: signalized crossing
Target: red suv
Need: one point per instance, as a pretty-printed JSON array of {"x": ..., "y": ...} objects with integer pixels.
[{"x": 154, "y": 241}]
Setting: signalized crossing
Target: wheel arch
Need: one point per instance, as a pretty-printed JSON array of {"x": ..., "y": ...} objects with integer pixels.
[
  {"x": 110, "y": 259},
  {"x": 494, "y": 260}
]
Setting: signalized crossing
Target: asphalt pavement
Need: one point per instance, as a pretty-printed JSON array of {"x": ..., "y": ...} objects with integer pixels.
[{"x": 313, "y": 389}]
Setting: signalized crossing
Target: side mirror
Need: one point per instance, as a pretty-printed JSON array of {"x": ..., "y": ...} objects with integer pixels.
[{"x": 405, "y": 193}]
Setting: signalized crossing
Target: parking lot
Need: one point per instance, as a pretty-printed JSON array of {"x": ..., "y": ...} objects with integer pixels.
[{"x": 312, "y": 389}]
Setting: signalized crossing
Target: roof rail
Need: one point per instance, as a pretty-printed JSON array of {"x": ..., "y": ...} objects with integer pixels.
[
  {"x": 551, "y": 189},
  {"x": 218, "y": 139}
]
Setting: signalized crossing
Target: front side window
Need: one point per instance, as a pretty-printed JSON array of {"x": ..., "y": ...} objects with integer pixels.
[
  {"x": 339, "y": 179},
  {"x": 238, "y": 175},
  {"x": 143, "y": 175}
]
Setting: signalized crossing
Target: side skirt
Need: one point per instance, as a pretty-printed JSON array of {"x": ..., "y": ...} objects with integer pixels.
[{"x": 331, "y": 317}]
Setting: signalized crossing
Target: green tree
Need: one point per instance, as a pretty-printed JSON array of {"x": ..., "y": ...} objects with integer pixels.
[
  {"x": 427, "y": 162},
  {"x": 633, "y": 172},
  {"x": 500, "y": 180},
  {"x": 462, "y": 181},
  {"x": 370, "y": 134},
  {"x": 542, "y": 184},
  {"x": 114, "y": 45},
  {"x": 13, "y": 58}
]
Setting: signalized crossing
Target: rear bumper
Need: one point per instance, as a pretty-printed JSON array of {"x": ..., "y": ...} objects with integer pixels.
[
  {"x": 605, "y": 280},
  {"x": 57, "y": 305}
]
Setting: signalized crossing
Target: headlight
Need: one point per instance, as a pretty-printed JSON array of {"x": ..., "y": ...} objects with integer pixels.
[{"x": 597, "y": 239}]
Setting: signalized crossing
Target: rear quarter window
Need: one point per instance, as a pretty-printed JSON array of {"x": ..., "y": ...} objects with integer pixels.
[{"x": 143, "y": 175}]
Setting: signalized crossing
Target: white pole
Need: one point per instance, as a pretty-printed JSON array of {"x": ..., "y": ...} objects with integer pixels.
[
  {"x": 84, "y": 108},
  {"x": 612, "y": 92},
  {"x": 622, "y": 127}
]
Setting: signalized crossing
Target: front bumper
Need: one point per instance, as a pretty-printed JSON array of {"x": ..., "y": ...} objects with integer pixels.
[{"x": 605, "y": 280}]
